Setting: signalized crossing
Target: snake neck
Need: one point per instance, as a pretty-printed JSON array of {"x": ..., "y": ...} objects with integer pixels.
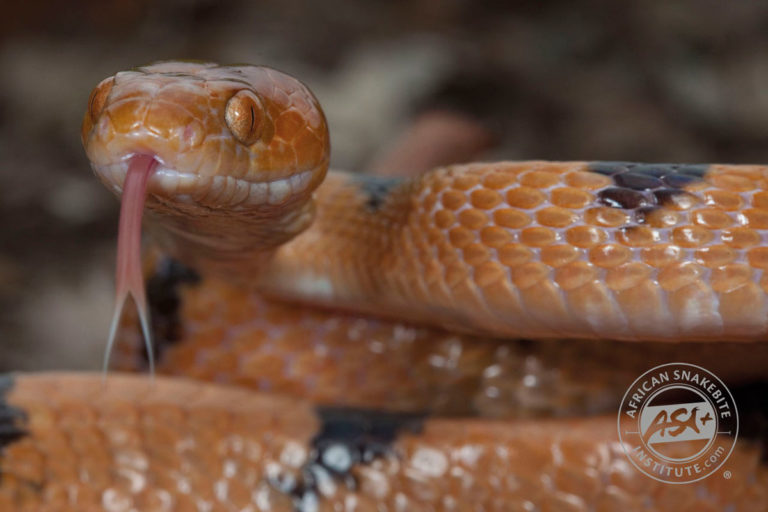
[
  {"x": 359, "y": 226},
  {"x": 235, "y": 245}
]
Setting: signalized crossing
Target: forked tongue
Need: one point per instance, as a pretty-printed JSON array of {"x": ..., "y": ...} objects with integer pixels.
[{"x": 129, "y": 279}]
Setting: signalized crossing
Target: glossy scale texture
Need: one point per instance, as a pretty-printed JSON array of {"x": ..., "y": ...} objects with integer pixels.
[{"x": 177, "y": 445}]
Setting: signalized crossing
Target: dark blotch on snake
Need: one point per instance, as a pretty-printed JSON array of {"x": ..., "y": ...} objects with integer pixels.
[
  {"x": 12, "y": 419},
  {"x": 637, "y": 181},
  {"x": 164, "y": 301},
  {"x": 347, "y": 438},
  {"x": 624, "y": 198},
  {"x": 376, "y": 189},
  {"x": 646, "y": 187}
]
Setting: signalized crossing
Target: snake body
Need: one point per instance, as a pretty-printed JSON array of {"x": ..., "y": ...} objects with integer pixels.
[{"x": 450, "y": 267}]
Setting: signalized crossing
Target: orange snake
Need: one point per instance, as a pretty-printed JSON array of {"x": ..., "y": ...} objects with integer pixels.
[{"x": 234, "y": 163}]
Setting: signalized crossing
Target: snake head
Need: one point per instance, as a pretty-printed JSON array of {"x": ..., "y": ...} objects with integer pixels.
[{"x": 224, "y": 137}]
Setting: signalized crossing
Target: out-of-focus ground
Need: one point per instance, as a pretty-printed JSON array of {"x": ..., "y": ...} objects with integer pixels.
[{"x": 638, "y": 80}]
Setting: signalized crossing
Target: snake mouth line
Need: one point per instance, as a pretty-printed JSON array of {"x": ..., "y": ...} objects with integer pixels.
[{"x": 225, "y": 191}]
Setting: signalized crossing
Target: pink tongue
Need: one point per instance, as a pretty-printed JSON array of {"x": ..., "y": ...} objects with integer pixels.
[{"x": 130, "y": 280}]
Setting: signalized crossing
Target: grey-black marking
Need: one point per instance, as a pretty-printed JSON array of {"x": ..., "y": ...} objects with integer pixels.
[
  {"x": 13, "y": 420},
  {"x": 645, "y": 187},
  {"x": 164, "y": 300},
  {"x": 377, "y": 188},
  {"x": 347, "y": 438}
]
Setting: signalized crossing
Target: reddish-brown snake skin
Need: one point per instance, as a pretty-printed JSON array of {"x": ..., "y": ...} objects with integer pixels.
[{"x": 506, "y": 308}]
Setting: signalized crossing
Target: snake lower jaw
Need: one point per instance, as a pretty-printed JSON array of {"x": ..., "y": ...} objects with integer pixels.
[{"x": 170, "y": 186}]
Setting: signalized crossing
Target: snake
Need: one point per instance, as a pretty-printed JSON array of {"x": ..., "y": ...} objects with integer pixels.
[{"x": 325, "y": 340}]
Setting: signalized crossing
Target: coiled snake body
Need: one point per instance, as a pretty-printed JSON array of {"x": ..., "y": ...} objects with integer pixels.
[{"x": 451, "y": 267}]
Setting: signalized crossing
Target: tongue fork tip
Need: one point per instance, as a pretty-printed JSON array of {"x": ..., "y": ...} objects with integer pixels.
[{"x": 129, "y": 277}]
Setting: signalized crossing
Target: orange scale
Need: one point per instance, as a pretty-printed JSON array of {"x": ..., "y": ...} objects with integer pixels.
[
  {"x": 525, "y": 197},
  {"x": 494, "y": 236},
  {"x": 606, "y": 217},
  {"x": 740, "y": 238},
  {"x": 485, "y": 198},
  {"x": 555, "y": 217},
  {"x": 444, "y": 219},
  {"x": 723, "y": 199},
  {"x": 692, "y": 236},
  {"x": 499, "y": 180},
  {"x": 461, "y": 237},
  {"x": 677, "y": 275},
  {"x": 760, "y": 200},
  {"x": 587, "y": 180},
  {"x": 511, "y": 218},
  {"x": 753, "y": 172},
  {"x": 465, "y": 181},
  {"x": 681, "y": 201},
  {"x": 571, "y": 197},
  {"x": 513, "y": 255},
  {"x": 661, "y": 218},
  {"x": 758, "y": 257},
  {"x": 712, "y": 218},
  {"x": 756, "y": 218},
  {"x": 473, "y": 219},
  {"x": 730, "y": 277},
  {"x": 585, "y": 236},
  {"x": 574, "y": 275},
  {"x": 627, "y": 276},
  {"x": 433, "y": 235},
  {"x": 488, "y": 273},
  {"x": 559, "y": 255},
  {"x": 540, "y": 179},
  {"x": 609, "y": 255},
  {"x": 445, "y": 252},
  {"x": 453, "y": 199},
  {"x": 715, "y": 256},
  {"x": 529, "y": 274},
  {"x": 455, "y": 274},
  {"x": 732, "y": 182},
  {"x": 661, "y": 255},
  {"x": 428, "y": 203},
  {"x": 637, "y": 236},
  {"x": 475, "y": 254},
  {"x": 538, "y": 236}
]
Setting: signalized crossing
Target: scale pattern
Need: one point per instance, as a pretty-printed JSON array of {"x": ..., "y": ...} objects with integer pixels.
[
  {"x": 178, "y": 445},
  {"x": 542, "y": 249}
]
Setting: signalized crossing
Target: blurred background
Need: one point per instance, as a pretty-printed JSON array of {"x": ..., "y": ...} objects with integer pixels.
[{"x": 646, "y": 80}]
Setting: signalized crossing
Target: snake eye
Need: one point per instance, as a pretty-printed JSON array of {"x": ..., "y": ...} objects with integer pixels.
[
  {"x": 98, "y": 98},
  {"x": 245, "y": 116}
]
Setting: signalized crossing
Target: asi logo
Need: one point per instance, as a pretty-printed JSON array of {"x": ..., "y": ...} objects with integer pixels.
[{"x": 678, "y": 423}]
